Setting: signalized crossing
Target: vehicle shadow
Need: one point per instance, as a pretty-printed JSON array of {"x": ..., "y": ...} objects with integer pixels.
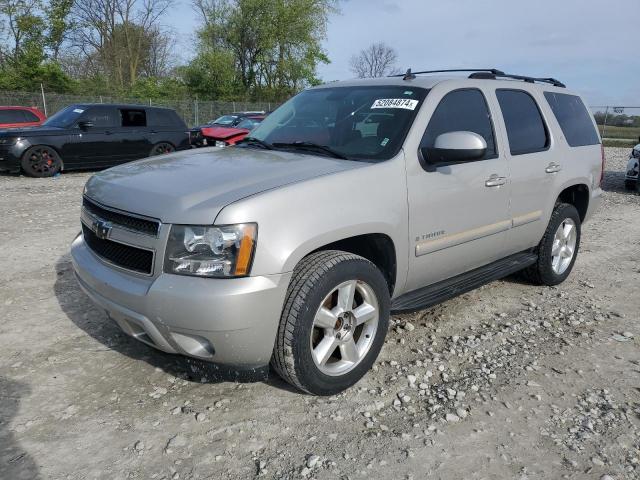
[
  {"x": 15, "y": 463},
  {"x": 614, "y": 182},
  {"x": 92, "y": 320}
]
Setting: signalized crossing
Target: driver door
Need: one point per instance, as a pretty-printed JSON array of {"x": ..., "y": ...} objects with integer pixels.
[
  {"x": 96, "y": 145},
  {"x": 459, "y": 213}
]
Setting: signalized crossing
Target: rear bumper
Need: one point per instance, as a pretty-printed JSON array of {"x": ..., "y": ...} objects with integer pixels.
[{"x": 226, "y": 321}]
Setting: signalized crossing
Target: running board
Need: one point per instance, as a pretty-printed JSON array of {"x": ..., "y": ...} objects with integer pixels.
[{"x": 439, "y": 292}]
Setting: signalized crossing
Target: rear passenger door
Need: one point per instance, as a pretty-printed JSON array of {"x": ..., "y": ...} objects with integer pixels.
[
  {"x": 459, "y": 213},
  {"x": 134, "y": 134},
  {"x": 532, "y": 166}
]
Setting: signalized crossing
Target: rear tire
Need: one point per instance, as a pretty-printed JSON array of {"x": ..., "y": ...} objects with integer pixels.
[
  {"x": 162, "y": 148},
  {"x": 558, "y": 249},
  {"x": 630, "y": 185},
  {"x": 41, "y": 161},
  {"x": 334, "y": 322}
]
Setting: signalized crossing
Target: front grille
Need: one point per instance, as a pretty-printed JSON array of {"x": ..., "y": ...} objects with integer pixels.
[
  {"x": 124, "y": 256},
  {"x": 148, "y": 227}
]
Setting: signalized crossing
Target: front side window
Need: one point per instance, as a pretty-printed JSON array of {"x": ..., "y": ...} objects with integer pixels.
[
  {"x": 100, "y": 117},
  {"x": 574, "y": 119},
  {"x": 30, "y": 116},
  {"x": 361, "y": 122},
  {"x": 526, "y": 130},
  {"x": 133, "y": 118},
  {"x": 462, "y": 110}
]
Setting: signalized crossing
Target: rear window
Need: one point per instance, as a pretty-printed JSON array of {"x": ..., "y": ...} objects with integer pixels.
[
  {"x": 526, "y": 130},
  {"x": 574, "y": 119}
]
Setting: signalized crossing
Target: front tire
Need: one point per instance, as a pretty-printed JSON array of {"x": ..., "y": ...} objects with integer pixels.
[
  {"x": 41, "y": 161},
  {"x": 334, "y": 322},
  {"x": 558, "y": 249},
  {"x": 162, "y": 148}
]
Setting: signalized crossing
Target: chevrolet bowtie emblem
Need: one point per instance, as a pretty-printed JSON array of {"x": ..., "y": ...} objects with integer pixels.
[{"x": 101, "y": 228}]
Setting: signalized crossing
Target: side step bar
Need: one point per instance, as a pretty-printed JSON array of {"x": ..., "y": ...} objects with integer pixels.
[{"x": 439, "y": 292}]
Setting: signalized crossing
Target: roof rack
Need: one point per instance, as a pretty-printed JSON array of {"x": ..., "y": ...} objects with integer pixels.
[{"x": 484, "y": 73}]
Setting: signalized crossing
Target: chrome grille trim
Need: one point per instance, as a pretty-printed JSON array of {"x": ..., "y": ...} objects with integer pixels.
[{"x": 125, "y": 220}]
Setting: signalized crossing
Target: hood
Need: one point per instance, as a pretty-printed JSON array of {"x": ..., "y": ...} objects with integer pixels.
[
  {"x": 38, "y": 130},
  {"x": 192, "y": 186},
  {"x": 222, "y": 133}
]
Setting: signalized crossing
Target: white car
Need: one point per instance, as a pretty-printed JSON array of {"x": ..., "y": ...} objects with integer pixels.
[{"x": 633, "y": 167}]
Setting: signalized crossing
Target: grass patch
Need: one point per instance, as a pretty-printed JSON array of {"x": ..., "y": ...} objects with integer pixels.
[{"x": 628, "y": 133}]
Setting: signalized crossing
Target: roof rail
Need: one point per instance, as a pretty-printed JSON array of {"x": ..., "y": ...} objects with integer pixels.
[
  {"x": 483, "y": 73},
  {"x": 491, "y": 75}
]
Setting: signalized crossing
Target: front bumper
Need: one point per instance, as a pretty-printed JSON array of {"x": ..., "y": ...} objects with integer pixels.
[
  {"x": 226, "y": 321},
  {"x": 10, "y": 157}
]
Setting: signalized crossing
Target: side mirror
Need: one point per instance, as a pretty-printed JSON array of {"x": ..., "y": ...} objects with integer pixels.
[
  {"x": 85, "y": 125},
  {"x": 454, "y": 147}
]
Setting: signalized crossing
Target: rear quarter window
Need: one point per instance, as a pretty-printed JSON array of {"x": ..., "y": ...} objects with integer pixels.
[
  {"x": 574, "y": 119},
  {"x": 165, "y": 118}
]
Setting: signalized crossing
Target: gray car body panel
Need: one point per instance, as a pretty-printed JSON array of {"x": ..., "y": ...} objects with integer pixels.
[
  {"x": 442, "y": 223},
  {"x": 190, "y": 187}
]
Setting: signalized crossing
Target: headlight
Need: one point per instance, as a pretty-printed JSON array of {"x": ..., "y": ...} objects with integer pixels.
[
  {"x": 9, "y": 140},
  {"x": 205, "y": 251},
  {"x": 220, "y": 143}
]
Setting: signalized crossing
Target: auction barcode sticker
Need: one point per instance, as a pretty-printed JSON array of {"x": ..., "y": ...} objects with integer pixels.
[{"x": 405, "y": 103}]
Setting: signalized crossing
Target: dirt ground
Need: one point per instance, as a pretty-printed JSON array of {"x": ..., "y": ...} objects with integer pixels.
[{"x": 508, "y": 381}]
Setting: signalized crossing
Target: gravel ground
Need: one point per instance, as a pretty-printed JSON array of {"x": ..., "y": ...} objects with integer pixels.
[{"x": 508, "y": 381}]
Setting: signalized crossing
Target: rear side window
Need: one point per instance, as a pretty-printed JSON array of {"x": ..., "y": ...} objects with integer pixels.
[
  {"x": 133, "y": 118},
  {"x": 574, "y": 119},
  {"x": 526, "y": 130},
  {"x": 461, "y": 110},
  {"x": 12, "y": 116}
]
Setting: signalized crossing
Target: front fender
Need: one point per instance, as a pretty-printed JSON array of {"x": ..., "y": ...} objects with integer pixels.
[{"x": 296, "y": 219}]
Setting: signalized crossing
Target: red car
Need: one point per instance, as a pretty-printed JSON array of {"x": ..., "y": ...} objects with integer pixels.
[
  {"x": 221, "y": 136},
  {"x": 18, "y": 117}
]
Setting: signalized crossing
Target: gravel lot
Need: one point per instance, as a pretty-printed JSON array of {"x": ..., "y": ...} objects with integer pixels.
[{"x": 508, "y": 381}]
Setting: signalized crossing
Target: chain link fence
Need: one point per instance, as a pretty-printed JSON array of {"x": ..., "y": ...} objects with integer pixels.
[
  {"x": 193, "y": 111},
  {"x": 619, "y": 126}
]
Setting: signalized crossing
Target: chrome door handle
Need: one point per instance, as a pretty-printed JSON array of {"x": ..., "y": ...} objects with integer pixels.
[
  {"x": 495, "y": 181},
  {"x": 553, "y": 168}
]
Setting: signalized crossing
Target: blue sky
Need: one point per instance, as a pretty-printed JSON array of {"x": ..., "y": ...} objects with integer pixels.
[{"x": 591, "y": 45}]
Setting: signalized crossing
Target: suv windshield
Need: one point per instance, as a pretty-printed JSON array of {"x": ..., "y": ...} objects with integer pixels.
[
  {"x": 65, "y": 117},
  {"x": 224, "y": 120},
  {"x": 363, "y": 122}
]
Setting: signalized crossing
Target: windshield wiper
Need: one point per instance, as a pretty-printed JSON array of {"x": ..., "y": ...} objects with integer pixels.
[
  {"x": 255, "y": 141},
  {"x": 311, "y": 146}
]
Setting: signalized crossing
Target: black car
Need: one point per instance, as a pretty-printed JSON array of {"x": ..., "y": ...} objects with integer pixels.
[
  {"x": 228, "y": 120},
  {"x": 92, "y": 136}
]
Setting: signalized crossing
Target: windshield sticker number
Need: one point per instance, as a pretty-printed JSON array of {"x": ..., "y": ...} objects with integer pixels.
[{"x": 404, "y": 103}]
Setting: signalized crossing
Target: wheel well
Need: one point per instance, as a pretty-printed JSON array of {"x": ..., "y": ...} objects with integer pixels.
[
  {"x": 378, "y": 248},
  {"x": 578, "y": 196}
]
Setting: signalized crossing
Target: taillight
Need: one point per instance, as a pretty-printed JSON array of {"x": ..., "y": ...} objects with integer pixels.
[{"x": 603, "y": 163}]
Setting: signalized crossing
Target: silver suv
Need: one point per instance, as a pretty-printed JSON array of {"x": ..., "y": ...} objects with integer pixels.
[{"x": 352, "y": 200}]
